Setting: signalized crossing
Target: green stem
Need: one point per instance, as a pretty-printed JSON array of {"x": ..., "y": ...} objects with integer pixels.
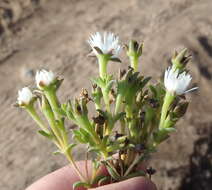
[
  {"x": 30, "y": 109},
  {"x": 103, "y": 60},
  {"x": 132, "y": 121},
  {"x": 134, "y": 62},
  {"x": 47, "y": 111},
  {"x": 135, "y": 161},
  {"x": 70, "y": 159},
  {"x": 53, "y": 101},
  {"x": 118, "y": 103},
  {"x": 168, "y": 99},
  {"x": 106, "y": 99}
]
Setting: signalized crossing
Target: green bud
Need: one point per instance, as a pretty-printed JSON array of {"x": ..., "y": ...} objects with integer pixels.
[
  {"x": 134, "y": 48},
  {"x": 181, "y": 59},
  {"x": 134, "y": 51}
]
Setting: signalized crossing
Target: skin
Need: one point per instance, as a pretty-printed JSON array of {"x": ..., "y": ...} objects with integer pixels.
[{"x": 63, "y": 179}]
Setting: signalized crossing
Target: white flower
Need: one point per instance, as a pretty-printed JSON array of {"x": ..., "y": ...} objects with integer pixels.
[
  {"x": 107, "y": 42},
  {"x": 176, "y": 82},
  {"x": 24, "y": 96},
  {"x": 44, "y": 78}
]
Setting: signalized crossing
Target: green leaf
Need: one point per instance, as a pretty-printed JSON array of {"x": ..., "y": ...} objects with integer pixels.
[
  {"x": 70, "y": 147},
  {"x": 64, "y": 107},
  {"x": 60, "y": 124},
  {"x": 121, "y": 139},
  {"x": 170, "y": 129},
  {"x": 119, "y": 116},
  {"x": 109, "y": 86},
  {"x": 115, "y": 147},
  {"x": 161, "y": 135},
  {"x": 105, "y": 139},
  {"x": 153, "y": 90},
  {"x": 145, "y": 81},
  {"x": 98, "y": 50},
  {"x": 112, "y": 171},
  {"x": 46, "y": 134},
  {"x": 78, "y": 136},
  {"x": 135, "y": 174},
  {"x": 103, "y": 113},
  {"x": 98, "y": 179},
  {"x": 96, "y": 164},
  {"x": 98, "y": 81},
  {"x": 70, "y": 115},
  {"x": 116, "y": 59},
  {"x": 80, "y": 184},
  {"x": 57, "y": 152},
  {"x": 103, "y": 180},
  {"x": 61, "y": 112},
  {"x": 93, "y": 149},
  {"x": 86, "y": 136}
]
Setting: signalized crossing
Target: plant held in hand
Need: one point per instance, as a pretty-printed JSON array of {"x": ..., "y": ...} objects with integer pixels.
[{"x": 132, "y": 117}]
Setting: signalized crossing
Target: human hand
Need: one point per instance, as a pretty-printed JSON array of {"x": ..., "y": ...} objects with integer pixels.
[{"x": 64, "y": 178}]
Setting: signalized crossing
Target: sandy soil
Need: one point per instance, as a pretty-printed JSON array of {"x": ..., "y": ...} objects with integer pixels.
[{"x": 52, "y": 34}]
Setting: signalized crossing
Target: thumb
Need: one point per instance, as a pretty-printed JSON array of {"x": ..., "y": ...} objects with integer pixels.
[{"x": 137, "y": 183}]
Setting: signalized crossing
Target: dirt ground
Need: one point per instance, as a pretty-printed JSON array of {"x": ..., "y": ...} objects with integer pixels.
[{"x": 52, "y": 34}]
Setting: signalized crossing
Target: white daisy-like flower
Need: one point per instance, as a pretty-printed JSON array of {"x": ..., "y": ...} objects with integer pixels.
[
  {"x": 44, "y": 78},
  {"x": 107, "y": 42},
  {"x": 176, "y": 82},
  {"x": 24, "y": 96}
]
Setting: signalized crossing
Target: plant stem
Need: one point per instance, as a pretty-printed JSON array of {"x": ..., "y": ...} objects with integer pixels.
[
  {"x": 70, "y": 159},
  {"x": 53, "y": 101},
  {"x": 168, "y": 99},
  {"x": 103, "y": 60},
  {"x": 118, "y": 103},
  {"x": 137, "y": 158},
  {"x": 55, "y": 129},
  {"x": 132, "y": 121},
  {"x": 106, "y": 100},
  {"x": 134, "y": 62},
  {"x": 86, "y": 166}
]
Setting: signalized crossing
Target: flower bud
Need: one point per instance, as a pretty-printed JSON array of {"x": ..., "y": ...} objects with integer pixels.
[
  {"x": 25, "y": 97},
  {"x": 44, "y": 78},
  {"x": 180, "y": 59},
  {"x": 99, "y": 119},
  {"x": 134, "y": 48}
]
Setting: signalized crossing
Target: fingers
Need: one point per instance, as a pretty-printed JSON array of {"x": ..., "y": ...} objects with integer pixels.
[
  {"x": 63, "y": 179},
  {"x": 137, "y": 183}
]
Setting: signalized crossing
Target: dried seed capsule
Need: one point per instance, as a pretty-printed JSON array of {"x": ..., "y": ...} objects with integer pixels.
[
  {"x": 154, "y": 103},
  {"x": 150, "y": 171},
  {"x": 122, "y": 73},
  {"x": 117, "y": 135},
  {"x": 142, "y": 116},
  {"x": 99, "y": 120}
]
